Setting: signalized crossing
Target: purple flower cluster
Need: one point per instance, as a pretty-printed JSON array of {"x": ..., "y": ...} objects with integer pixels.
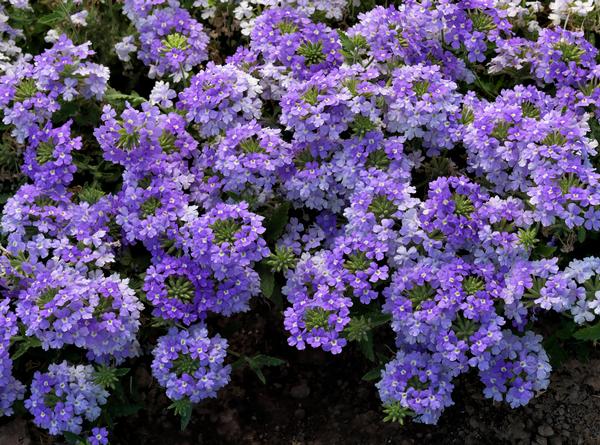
[
  {"x": 99, "y": 314},
  {"x": 584, "y": 278},
  {"x": 48, "y": 161},
  {"x": 527, "y": 141},
  {"x": 423, "y": 104},
  {"x": 12, "y": 389},
  {"x": 417, "y": 384},
  {"x": 251, "y": 160},
  {"x": 189, "y": 364},
  {"x": 31, "y": 92},
  {"x": 319, "y": 310},
  {"x": 171, "y": 42},
  {"x": 287, "y": 38},
  {"x": 64, "y": 397},
  {"x": 219, "y": 97}
]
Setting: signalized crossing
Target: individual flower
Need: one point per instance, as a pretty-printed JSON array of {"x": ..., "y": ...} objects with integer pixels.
[
  {"x": 98, "y": 436},
  {"x": 125, "y": 47},
  {"x": 162, "y": 94}
]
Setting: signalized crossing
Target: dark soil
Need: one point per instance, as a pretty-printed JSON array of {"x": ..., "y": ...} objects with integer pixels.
[
  {"x": 310, "y": 405},
  {"x": 322, "y": 401}
]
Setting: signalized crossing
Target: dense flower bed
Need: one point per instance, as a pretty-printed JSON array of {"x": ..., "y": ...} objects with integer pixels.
[{"x": 419, "y": 178}]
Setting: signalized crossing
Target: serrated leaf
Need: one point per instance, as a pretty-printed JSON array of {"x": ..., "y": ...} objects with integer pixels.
[
  {"x": 73, "y": 438},
  {"x": 259, "y": 374},
  {"x": 267, "y": 360},
  {"x": 373, "y": 374},
  {"x": 183, "y": 408},
  {"x": 366, "y": 347},
  {"x": 544, "y": 251},
  {"x": 113, "y": 97},
  {"x": 581, "y": 233},
  {"x": 267, "y": 283},
  {"x": 52, "y": 18},
  {"x": 259, "y": 361},
  {"x": 28, "y": 343},
  {"x": 120, "y": 372},
  {"x": 589, "y": 333},
  {"x": 275, "y": 225},
  {"x": 379, "y": 319}
]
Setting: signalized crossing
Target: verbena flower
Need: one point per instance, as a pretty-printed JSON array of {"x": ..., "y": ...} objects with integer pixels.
[
  {"x": 172, "y": 42},
  {"x": 31, "y": 92},
  {"x": 189, "y": 364},
  {"x": 48, "y": 160},
  {"x": 220, "y": 97},
  {"x": 64, "y": 397},
  {"x": 99, "y": 314},
  {"x": 12, "y": 389}
]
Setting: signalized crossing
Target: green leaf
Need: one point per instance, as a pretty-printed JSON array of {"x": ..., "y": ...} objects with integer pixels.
[
  {"x": 267, "y": 283},
  {"x": 566, "y": 329},
  {"x": 379, "y": 319},
  {"x": 544, "y": 251},
  {"x": 125, "y": 410},
  {"x": 259, "y": 361},
  {"x": 275, "y": 225},
  {"x": 373, "y": 374},
  {"x": 366, "y": 347},
  {"x": 589, "y": 333},
  {"x": 555, "y": 351},
  {"x": 116, "y": 98},
  {"x": 183, "y": 408},
  {"x": 108, "y": 377},
  {"x": 68, "y": 110},
  {"x": 73, "y": 438},
  {"x": 120, "y": 372},
  {"x": 52, "y": 18},
  {"x": 259, "y": 374},
  {"x": 267, "y": 360},
  {"x": 581, "y": 234},
  {"x": 28, "y": 342}
]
